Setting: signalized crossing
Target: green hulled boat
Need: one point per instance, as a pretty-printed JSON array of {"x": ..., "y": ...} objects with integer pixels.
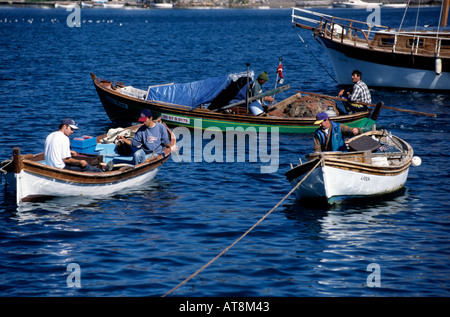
[{"x": 295, "y": 114}]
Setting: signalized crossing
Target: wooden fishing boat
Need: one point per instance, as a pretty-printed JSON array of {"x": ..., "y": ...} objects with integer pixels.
[
  {"x": 33, "y": 180},
  {"x": 124, "y": 103},
  {"x": 377, "y": 164},
  {"x": 417, "y": 59}
]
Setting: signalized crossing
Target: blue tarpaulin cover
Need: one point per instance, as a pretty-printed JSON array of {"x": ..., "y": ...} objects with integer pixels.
[{"x": 195, "y": 93}]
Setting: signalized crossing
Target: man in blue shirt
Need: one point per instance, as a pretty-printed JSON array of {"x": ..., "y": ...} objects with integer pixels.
[{"x": 150, "y": 139}]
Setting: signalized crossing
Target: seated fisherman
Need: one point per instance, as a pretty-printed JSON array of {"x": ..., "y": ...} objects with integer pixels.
[
  {"x": 359, "y": 93},
  {"x": 150, "y": 138},
  {"x": 256, "y": 107},
  {"x": 58, "y": 153},
  {"x": 330, "y": 135}
]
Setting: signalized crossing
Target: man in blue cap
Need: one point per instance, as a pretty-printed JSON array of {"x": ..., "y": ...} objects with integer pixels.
[
  {"x": 149, "y": 140},
  {"x": 330, "y": 135}
]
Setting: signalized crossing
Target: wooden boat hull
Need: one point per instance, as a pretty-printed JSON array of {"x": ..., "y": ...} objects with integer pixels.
[
  {"x": 32, "y": 186},
  {"x": 120, "y": 107},
  {"x": 33, "y": 180},
  {"x": 342, "y": 176}
]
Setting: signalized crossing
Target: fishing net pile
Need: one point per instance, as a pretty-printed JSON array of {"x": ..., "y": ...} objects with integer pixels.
[{"x": 299, "y": 106}]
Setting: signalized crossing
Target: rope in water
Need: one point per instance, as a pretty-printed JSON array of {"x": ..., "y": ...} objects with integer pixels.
[{"x": 247, "y": 232}]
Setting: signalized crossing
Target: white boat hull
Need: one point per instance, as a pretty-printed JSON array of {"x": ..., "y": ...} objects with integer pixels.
[
  {"x": 113, "y": 6},
  {"x": 65, "y": 6},
  {"x": 359, "y": 4},
  {"x": 336, "y": 184},
  {"x": 386, "y": 76},
  {"x": 31, "y": 185},
  {"x": 162, "y": 5}
]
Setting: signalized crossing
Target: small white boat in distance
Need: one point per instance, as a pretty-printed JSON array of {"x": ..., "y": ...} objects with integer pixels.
[
  {"x": 394, "y": 5},
  {"x": 86, "y": 5},
  {"x": 162, "y": 5},
  {"x": 65, "y": 5},
  {"x": 376, "y": 164},
  {"x": 358, "y": 4},
  {"x": 113, "y": 5},
  {"x": 338, "y": 4}
]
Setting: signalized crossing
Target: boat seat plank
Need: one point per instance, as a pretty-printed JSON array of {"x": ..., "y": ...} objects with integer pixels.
[{"x": 109, "y": 153}]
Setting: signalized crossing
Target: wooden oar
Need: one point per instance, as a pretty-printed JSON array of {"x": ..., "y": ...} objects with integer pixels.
[
  {"x": 369, "y": 104},
  {"x": 118, "y": 165}
]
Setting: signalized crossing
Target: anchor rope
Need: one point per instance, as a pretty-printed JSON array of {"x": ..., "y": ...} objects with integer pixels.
[
  {"x": 247, "y": 232},
  {"x": 316, "y": 57}
]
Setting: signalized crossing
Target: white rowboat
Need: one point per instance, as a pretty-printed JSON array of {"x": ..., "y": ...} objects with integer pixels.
[
  {"x": 381, "y": 169},
  {"x": 33, "y": 180}
]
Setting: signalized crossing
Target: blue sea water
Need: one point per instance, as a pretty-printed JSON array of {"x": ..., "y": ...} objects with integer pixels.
[{"x": 147, "y": 242}]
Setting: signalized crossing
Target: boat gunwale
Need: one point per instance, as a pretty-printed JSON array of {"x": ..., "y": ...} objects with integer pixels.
[{"x": 87, "y": 178}]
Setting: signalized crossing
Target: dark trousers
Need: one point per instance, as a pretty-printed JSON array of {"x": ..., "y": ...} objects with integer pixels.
[{"x": 87, "y": 168}]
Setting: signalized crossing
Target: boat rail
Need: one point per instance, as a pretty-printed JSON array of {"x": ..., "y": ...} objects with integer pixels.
[{"x": 373, "y": 36}]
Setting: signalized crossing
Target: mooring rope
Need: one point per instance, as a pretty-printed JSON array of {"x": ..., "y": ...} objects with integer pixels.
[
  {"x": 247, "y": 232},
  {"x": 317, "y": 60}
]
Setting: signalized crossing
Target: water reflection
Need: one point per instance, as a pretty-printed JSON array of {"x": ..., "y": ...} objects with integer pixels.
[{"x": 350, "y": 221}]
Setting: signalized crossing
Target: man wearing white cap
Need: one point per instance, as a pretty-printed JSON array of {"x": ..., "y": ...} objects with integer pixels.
[{"x": 58, "y": 153}]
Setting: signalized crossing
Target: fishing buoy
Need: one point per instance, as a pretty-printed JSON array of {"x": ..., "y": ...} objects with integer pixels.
[
  {"x": 438, "y": 65},
  {"x": 416, "y": 161},
  {"x": 330, "y": 112}
]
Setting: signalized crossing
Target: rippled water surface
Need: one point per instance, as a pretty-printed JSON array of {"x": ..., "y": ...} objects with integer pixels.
[{"x": 146, "y": 242}]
